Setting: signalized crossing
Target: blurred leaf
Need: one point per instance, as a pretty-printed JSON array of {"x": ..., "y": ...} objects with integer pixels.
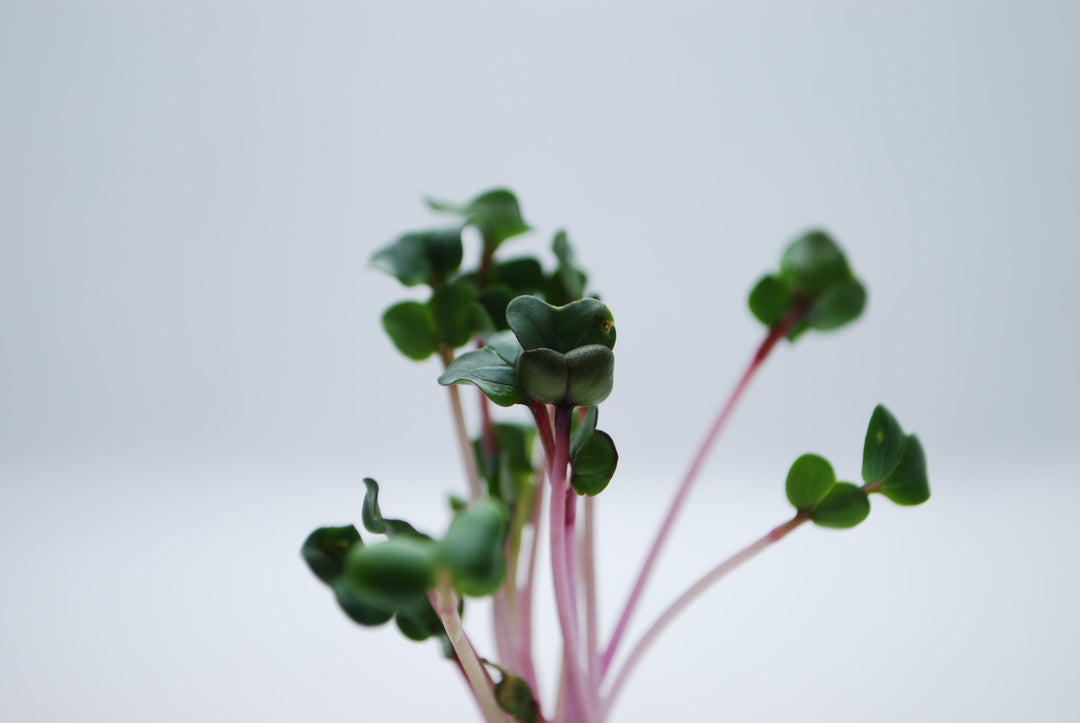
[
  {"x": 809, "y": 481},
  {"x": 883, "y": 447},
  {"x": 510, "y": 466},
  {"x": 582, "y": 428},
  {"x": 524, "y": 275},
  {"x": 324, "y": 551},
  {"x": 516, "y": 698},
  {"x": 421, "y": 257},
  {"x": 846, "y": 505},
  {"x": 770, "y": 301},
  {"x": 812, "y": 263},
  {"x": 567, "y": 284},
  {"x": 391, "y": 574},
  {"x": 838, "y": 305},
  {"x": 472, "y": 549},
  {"x": 495, "y": 213},
  {"x": 539, "y": 325},
  {"x": 410, "y": 327},
  {"x": 909, "y": 483},
  {"x": 594, "y": 463},
  {"x": 493, "y": 369},
  {"x": 454, "y": 313},
  {"x": 359, "y": 611},
  {"x": 418, "y": 620},
  {"x": 494, "y": 298},
  {"x": 374, "y": 521}
]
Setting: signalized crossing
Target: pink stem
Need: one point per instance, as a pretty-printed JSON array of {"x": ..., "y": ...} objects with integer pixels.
[
  {"x": 525, "y": 596},
  {"x": 588, "y": 573},
  {"x": 673, "y": 610},
  {"x": 767, "y": 345}
]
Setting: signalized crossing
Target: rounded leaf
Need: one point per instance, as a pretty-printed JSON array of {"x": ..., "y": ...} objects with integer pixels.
[
  {"x": 495, "y": 213},
  {"x": 418, "y": 621},
  {"x": 359, "y": 612},
  {"x": 809, "y": 481},
  {"x": 539, "y": 325},
  {"x": 883, "y": 447},
  {"x": 813, "y": 263},
  {"x": 770, "y": 301},
  {"x": 325, "y": 549},
  {"x": 454, "y": 313},
  {"x": 591, "y": 375},
  {"x": 594, "y": 464},
  {"x": 846, "y": 505},
  {"x": 516, "y": 698},
  {"x": 410, "y": 327},
  {"x": 472, "y": 549},
  {"x": 838, "y": 305},
  {"x": 543, "y": 375},
  {"x": 421, "y": 257},
  {"x": 393, "y": 573},
  {"x": 490, "y": 371},
  {"x": 908, "y": 484}
]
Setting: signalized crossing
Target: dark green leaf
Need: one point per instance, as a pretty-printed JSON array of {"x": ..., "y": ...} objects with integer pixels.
[
  {"x": 844, "y": 506},
  {"x": 489, "y": 370},
  {"x": 840, "y": 304},
  {"x": 567, "y": 284},
  {"x": 516, "y": 698},
  {"x": 583, "y": 427},
  {"x": 411, "y": 328},
  {"x": 495, "y": 213},
  {"x": 883, "y": 447},
  {"x": 324, "y": 551},
  {"x": 421, "y": 257},
  {"x": 359, "y": 611},
  {"x": 524, "y": 275},
  {"x": 594, "y": 464},
  {"x": 373, "y": 519},
  {"x": 509, "y": 466},
  {"x": 591, "y": 375},
  {"x": 539, "y": 325},
  {"x": 418, "y": 621},
  {"x": 392, "y": 574},
  {"x": 472, "y": 549},
  {"x": 812, "y": 263},
  {"x": 543, "y": 375},
  {"x": 771, "y": 301},
  {"x": 494, "y": 299},
  {"x": 909, "y": 483},
  {"x": 809, "y": 481},
  {"x": 454, "y": 313}
]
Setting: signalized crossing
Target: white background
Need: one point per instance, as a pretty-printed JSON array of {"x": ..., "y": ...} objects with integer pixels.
[{"x": 192, "y": 373}]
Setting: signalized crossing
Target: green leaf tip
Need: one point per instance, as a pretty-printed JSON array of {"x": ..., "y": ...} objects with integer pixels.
[
  {"x": 421, "y": 257},
  {"x": 373, "y": 519},
  {"x": 894, "y": 463},
  {"x": 495, "y": 213},
  {"x": 539, "y": 325},
  {"x": 492, "y": 369},
  {"x": 909, "y": 484},
  {"x": 813, "y": 491}
]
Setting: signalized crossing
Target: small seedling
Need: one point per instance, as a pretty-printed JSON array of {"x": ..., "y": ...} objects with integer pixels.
[{"x": 523, "y": 335}]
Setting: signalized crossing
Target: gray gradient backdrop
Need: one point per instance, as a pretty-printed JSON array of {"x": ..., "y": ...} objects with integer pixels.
[{"x": 192, "y": 374}]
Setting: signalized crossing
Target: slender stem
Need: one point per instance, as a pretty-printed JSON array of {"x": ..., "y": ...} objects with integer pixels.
[
  {"x": 464, "y": 444},
  {"x": 775, "y": 335},
  {"x": 588, "y": 575},
  {"x": 543, "y": 426},
  {"x": 578, "y": 700},
  {"x": 446, "y": 606},
  {"x": 525, "y": 596},
  {"x": 773, "y": 536}
]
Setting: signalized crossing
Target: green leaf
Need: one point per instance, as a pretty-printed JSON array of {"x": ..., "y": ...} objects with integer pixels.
[
  {"x": 883, "y": 447},
  {"x": 421, "y": 257},
  {"x": 392, "y": 574},
  {"x": 493, "y": 369},
  {"x": 908, "y": 484},
  {"x": 494, "y": 299},
  {"x": 516, "y": 698},
  {"x": 770, "y": 301},
  {"x": 454, "y": 313},
  {"x": 410, "y": 327},
  {"x": 582, "y": 428},
  {"x": 418, "y": 620},
  {"x": 840, "y": 304},
  {"x": 524, "y": 275},
  {"x": 495, "y": 213},
  {"x": 544, "y": 375},
  {"x": 324, "y": 551},
  {"x": 359, "y": 611},
  {"x": 510, "y": 466},
  {"x": 374, "y": 521},
  {"x": 567, "y": 284},
  {"x": 472, "y": 549},
  {"x": 809, "y": 481},
  {"x": 812, "y": 263},
  {"x": 846, "y": 505},
  {"x": 594, "y": 464},
  {"x": 539, "y": 325},
  {"x": 591, "y": 375}
]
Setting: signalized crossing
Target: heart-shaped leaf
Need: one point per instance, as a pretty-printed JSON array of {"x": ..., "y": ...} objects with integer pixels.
[
  {"x": 909, "y": 483},
  {"x": 591, "y": 375},
  {"x": 812, "y": 263},
  {"x": 846, "y": 505},
  {"x": 594, "y": 463},
  {"x": 324, "y": 551},
  {"x": 771, "y": 301},
  {"x": 539, "y": 325},
  {"x": 472, "y": 549},
  {"x": 493, "y": 369},
  {"x": 495, "y": 213},
  {"x": 391, "y": 574},
  {"x": 883, "y": 447},
  {"x": 374, "y": 521},
  {"x": 809, "y": 481},
  {"x": 840, "y": 304},
  {"x": 410, "y": 326},
  {"x": 421, "y": 257}
]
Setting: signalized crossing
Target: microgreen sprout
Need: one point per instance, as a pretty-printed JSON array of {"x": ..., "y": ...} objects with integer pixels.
[{"x": 525, "y": 336}]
